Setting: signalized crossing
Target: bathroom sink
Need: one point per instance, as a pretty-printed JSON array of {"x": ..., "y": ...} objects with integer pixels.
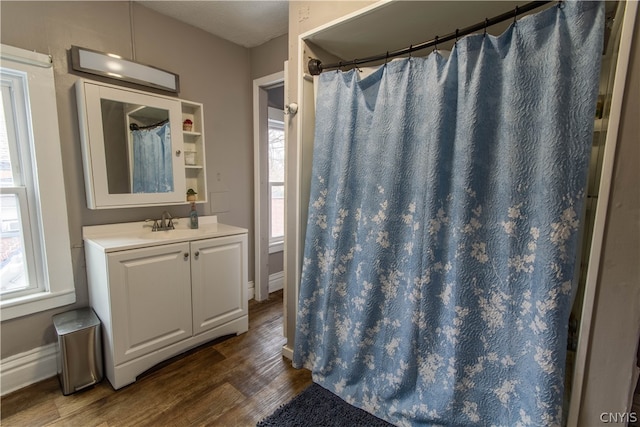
[
  {"x": 169, "y": 234},
  {"x": 172, "y": 234},
  {"x": 180, "y": 233},
  {"x": 133, "y": 235}
]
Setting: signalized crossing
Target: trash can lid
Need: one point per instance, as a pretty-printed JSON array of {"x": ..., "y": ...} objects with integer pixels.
[{"x": 75, "y": 320}]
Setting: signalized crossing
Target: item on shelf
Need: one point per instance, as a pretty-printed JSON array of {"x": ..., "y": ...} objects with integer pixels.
[
  {"x": 187, "y": 125},
  {"x": 190, "y": 158},
  {"x": 191, "y": 195},
  {"x": 193, "y": 217}
]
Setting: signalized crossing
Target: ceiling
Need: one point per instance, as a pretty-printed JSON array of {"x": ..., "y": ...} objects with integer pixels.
[{"x": 248, "y": 23}]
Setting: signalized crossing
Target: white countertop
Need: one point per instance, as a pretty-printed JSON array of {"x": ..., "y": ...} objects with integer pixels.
[{"x": 134, "y": 235}]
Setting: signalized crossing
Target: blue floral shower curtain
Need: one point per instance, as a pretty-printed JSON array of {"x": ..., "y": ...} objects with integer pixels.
[
  {"x": 152, "y": 160},
  {"x": 443, "y": 223}
]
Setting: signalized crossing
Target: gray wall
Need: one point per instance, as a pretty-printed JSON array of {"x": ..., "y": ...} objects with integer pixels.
[
  {"x": 269, "y": 57},
  {"x": 212, "y": 71}
]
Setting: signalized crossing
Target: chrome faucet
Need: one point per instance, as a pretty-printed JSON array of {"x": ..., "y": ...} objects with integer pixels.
[{"x": 164, "y": 224}]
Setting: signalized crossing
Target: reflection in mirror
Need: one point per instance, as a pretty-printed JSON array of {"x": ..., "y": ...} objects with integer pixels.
[{"x": 137, "y": 143}]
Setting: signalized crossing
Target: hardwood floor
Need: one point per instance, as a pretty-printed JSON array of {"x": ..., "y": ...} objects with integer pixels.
[{"x": 234, "y": 381}]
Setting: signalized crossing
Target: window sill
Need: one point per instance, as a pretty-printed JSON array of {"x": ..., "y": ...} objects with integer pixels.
[
  {"x": 29, "y": 304},
  {"x": 277, "y": 246}
]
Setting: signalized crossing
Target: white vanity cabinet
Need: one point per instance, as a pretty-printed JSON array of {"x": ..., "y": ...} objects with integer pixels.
[{"x": 158, "y": 294}]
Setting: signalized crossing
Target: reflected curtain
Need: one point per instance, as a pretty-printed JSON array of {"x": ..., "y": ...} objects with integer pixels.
[
  {"x": 443, "y": 225},
  {"x": 152, "y": 160}
]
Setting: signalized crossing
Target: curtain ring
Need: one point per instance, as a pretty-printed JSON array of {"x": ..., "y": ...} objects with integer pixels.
[
  {"x": 435, "y": 45},
  {"x": 456, "y": 36},
  {"x": 486, "y": 24},
  {"x": 386, "y": 58},
  {"x": 355, "y": 64},
  {"x": 515, "y": 16},
  {"x": 339, "y": 67},
  {"x": 560, "y": 5},
  {"x": 410, "y": 50}
]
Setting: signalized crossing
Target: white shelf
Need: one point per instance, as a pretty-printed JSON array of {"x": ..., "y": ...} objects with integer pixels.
[{"x": 193, "y": 140}]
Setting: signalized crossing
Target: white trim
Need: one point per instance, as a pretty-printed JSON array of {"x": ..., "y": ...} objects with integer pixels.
[
  {"x": 277, "y": 246},
  {"x": 593, "y": 271},
  {"x": 251, "y": 290},
  {"x": 27, "y": 368},
  {"x": 258, "y": 84},
  {"x": 287, "y": 352},
  {"x": 49, "y": 180},
  {"x": 276, "y": 282},
  {"x": 292, "y": 253},
  {"x": 37, "y": 302},
  {"x": 15, "y": 54}
]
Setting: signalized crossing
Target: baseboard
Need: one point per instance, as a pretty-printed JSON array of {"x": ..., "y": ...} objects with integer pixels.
[
  {"x": 287, "y": 352},
  {"x": 251, "y": 290},
  {"x": 27, "y": 368},
  {"x": 276, "y": 282}
]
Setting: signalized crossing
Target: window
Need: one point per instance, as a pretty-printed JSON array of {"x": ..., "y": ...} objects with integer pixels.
[
  {"x": 19, "y": 272},
  {"x": 35, "y": 258},
  {"x": 276, "y": 185}
]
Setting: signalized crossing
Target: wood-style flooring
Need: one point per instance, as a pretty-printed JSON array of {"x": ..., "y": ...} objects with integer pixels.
[{"x": 235, "y": 381}]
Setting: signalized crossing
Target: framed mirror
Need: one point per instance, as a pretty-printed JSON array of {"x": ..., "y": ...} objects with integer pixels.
[{"x": 132, "y": 144}]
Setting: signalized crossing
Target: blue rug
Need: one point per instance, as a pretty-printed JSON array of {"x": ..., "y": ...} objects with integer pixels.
[{"x": 316, "y": 406}]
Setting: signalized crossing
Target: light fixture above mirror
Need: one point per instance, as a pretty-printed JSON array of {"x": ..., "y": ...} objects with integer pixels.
[{"x": 115, "y": 67}]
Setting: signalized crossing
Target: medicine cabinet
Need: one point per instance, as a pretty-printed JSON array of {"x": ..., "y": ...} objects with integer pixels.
[{"x": 139, "y": 149}]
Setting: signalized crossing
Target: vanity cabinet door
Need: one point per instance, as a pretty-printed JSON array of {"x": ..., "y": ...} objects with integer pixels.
[
  {"x": 150, "y": 292},
  {"x": 219, "y": 279}
]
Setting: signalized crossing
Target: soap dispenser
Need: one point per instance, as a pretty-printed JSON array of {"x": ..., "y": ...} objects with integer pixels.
[{"x": 193, "y": 217}]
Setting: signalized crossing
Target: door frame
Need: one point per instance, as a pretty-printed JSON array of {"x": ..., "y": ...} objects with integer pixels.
[{"x": 260, "y": 135}]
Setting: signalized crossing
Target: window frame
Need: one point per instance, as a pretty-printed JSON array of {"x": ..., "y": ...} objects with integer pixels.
[{"x": 48, "y": 219}]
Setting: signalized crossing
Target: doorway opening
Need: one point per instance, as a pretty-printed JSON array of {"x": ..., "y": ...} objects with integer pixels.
[{"x": 269, "y": 184}]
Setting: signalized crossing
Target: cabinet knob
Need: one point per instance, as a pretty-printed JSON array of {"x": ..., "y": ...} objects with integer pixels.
[
  {"x": 197, "y": 254},
  {"x": 178, "y": 152},
  {"x": 186, "y": 255}
]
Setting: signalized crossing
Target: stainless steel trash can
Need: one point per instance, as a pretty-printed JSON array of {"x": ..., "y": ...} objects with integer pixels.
[{"x": 79, "y": 349}]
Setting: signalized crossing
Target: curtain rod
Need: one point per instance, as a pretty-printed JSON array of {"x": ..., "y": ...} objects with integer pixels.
[
  {"x": 316, "y": 67},
  {"x": 135, "y": 126}
]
